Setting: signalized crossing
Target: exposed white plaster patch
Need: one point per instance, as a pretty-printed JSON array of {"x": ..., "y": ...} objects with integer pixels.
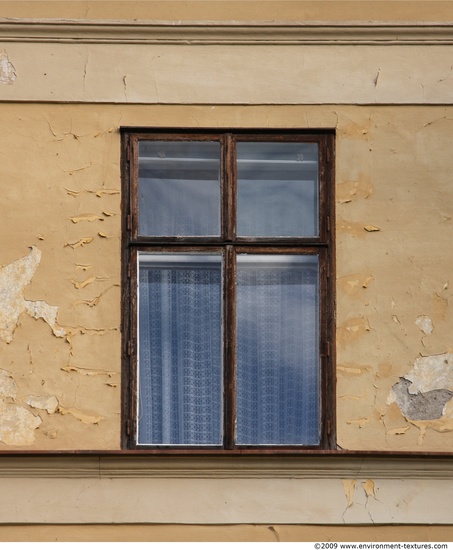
[
  {"x": 47, "y": 403},
  {"x": 425, "y": 324},
  {"x": 434, "y": 372},
  {"x": 7, "y": 70},
  {"x": 14, "y": 277},
  {"x": 8, "y": 387},
  {"x": 42, "y": 310},
  {"x": 17, "y": 424}
]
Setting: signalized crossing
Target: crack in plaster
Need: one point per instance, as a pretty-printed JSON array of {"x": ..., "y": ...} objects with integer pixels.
[
  {"x": 14, "y": 277},
  {"x": 95, "y": 300}
]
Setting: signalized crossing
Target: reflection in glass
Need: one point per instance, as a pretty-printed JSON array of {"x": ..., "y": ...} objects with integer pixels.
[
  {"x": 180, "y": 359},
  {"x": 277, "y": 361},
  {"x": 179, "y": 188},
  {"x": 277, "y": 192}
]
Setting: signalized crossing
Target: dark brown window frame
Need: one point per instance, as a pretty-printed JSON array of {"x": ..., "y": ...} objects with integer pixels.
[{"x": 322, "y": 245}]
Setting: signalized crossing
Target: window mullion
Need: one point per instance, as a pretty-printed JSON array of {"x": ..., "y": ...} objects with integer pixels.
[
  {"x": 229, "y": 329},
  {"x": 229, "y": 182}
]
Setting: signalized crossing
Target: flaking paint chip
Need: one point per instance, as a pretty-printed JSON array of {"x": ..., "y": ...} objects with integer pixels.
[
  {"x": 81, "y": 242},
  {"x": 371, "y": 228},
  {"x": 398, "y": 431},
  {"x": 349, "y": 488}
]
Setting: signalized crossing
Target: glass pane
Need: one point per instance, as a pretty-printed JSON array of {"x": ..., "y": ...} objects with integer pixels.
[
  {"x": 179, "y": 188},
  {"x": 277, "y": 189},
  {"x": 180, "y": 358},
  {"x": 277, "y": 362}
]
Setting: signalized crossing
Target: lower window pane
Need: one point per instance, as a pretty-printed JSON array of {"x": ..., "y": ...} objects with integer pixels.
[
  {"x": 278, "y": 379},
  {"x": 180, "y": 359}
]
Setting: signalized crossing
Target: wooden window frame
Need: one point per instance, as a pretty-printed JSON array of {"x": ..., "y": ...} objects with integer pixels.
[{"x": 228, "y": 244}]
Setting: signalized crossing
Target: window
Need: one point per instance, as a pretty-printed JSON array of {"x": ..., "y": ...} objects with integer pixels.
[{"x": 228, "y": 299}]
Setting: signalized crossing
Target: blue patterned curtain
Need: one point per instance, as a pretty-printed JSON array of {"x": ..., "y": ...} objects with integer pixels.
[
  {"x": 277, "y": 350},
  {"x": 180, "y": 358}
]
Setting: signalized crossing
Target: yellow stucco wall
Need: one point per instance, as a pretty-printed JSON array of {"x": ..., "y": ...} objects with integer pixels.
[
  {"x": 379, "y": 74},
  {"x": 60, "y": 322},
  {"x": 224, "y": 533},
  {"x": 206, "y": 10}
]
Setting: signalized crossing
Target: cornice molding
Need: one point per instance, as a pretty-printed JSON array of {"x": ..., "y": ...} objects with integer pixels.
[
  {"x": 226, "y": 33},
  {"x": 327, "y": 467}
]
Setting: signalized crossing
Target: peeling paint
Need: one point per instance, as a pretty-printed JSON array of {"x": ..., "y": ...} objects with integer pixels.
[
  {"x": 88, "y": 372},
  {"x": 398, "y": 431},
  {"x": 83, "y": 284},
  {"x": 371, "y": 228},
  {"x": 98, "y": 192},
  {"x": 353, "y": 369},
  {"x": 360, "y": 422},
  {"x": 434, "y": 372},
  {"x": 424, "y": 395},
  {"x": 351, "y": 190},
  {"x": 94, "y": 302},
  {"x": 420, "y": 406},
  {"x": 80, "y": 415},
  {"x": 349, "y": 488},
  {"x": 8, "y": 387},
  {"x": 352, "y": 330},
  {"x": 13, "y": 280},
  {"x": 42, "y": 310},
  {"x": 80, "y": 242},
  {"x": 17, "y": 424},
  {"x": 86, "y": 218},
  {"x": 369, "y": 488},
  {"x": 7, "y": 71},
  {"x": 352, "y": 284},
  {"x": 47, "y": 403},
  {"x": 425, "y": 324}
]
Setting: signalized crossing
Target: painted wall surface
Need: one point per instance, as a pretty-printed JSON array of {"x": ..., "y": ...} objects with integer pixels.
[
  {"x": 206, "y": 10},
  {"x": 224, "y": 533},
  {"x": 60, "y": 311},
  {"x": 63, "y": 99}
]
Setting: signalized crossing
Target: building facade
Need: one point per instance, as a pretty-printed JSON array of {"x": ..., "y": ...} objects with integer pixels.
[{"x": 371, "y": 84}]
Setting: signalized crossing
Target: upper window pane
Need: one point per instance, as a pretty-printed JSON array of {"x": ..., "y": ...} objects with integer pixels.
[
  {"x": 179, "y": 188},
  {"x": 277, "y": 192}
]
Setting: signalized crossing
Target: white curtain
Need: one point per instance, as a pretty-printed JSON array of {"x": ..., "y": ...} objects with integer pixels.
[
  {"x": 277, "y": 351},
  {"x": 180, "y": 358}
]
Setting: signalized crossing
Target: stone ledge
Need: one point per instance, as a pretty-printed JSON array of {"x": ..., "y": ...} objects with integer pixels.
[
  {"x": 228, "y": 33},
  {"x": 234, "y": 467}
]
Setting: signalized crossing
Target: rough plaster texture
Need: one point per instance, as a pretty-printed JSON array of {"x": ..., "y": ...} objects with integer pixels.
[
  {"x": 225, "y": 74},
  {"x": 60, "y": 180},
  {"x": 227, "y": 501}
]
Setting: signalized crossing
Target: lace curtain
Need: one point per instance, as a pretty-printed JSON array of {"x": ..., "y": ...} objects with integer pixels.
[
  {"x": 180, "y": 358},
  {"x": 180, "y": 352},
  {"x": 277, "y": 352}
]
